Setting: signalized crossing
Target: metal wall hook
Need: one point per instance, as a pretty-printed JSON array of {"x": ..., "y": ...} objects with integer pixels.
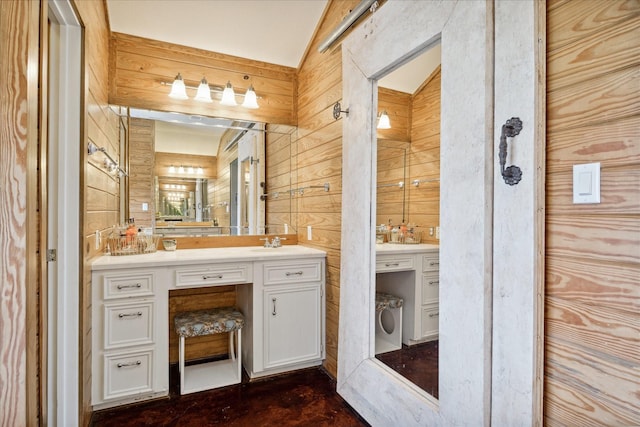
[
  {"x": 337, "y": 110},
  {"x": 512, "y": 174}
]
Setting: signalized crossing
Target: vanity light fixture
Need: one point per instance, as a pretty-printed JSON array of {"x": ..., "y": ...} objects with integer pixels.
[
  {"x": 383, "y": 121},
  {"x": 204, "y": 92},
  {"x": 228, "y": 96},
  {"x": 191, "y": 170},
  {"x": 178, "y": 89},
  {"x": 181, "y": 169},
  {"x": 250, "y": 99},
  {"x": 172, "y": 169},
  {"x": 200, "y": 171}
]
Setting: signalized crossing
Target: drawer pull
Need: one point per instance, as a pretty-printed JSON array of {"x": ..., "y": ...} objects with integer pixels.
[
  {"x": 136, "y": 285},
  {"x": 294, "y": 273},
  {"x": 218, "y": 276},
  {"x": 434, "y": 282},
  {"x": 273, "y": 313},
  {"x": 392, "y": 264},
  {"x": 123, "y": 315},
  {"x": 436, "y": 314},
  {"x": 124, "y": 365},
  {"x": 432, "y": 263}
]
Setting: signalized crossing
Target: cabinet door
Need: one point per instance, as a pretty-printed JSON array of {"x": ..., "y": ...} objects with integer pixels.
[{"x": 292, "y": 325}]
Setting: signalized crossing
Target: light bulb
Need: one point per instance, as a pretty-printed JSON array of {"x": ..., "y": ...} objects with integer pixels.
[
  {"x": 178, "y": 89},
  {"x": 228, "y": 96},
  {"x": 204, "y": 92},
  {"x": 384, "y": 122},
  {"x": 250, "y": 99}
]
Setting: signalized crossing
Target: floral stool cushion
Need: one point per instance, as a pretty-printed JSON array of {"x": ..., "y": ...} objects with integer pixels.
[
  {"x": 385, "y": 300},
  {"x": 207, "y": 322}
]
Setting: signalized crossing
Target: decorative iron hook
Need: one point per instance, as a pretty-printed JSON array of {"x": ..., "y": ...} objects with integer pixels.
[
  {"x": 337, "y": 109},
  {"x": 512, "y": 175}
]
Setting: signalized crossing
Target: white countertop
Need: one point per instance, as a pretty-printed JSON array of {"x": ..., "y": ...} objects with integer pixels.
[
  {"x": 197, "y": 256},
  {"x": 391, "y": 248}
]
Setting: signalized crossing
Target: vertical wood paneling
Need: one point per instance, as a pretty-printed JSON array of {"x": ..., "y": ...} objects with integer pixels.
[
  {"x": 141, "y": 170},
  {"x": 278, "y": 144},
  {"x": 99, "y": 190},
  {"x": 319, "y": 159},
  {"x": 19, "y": 271},
  {"x": 592, "y": 324}
]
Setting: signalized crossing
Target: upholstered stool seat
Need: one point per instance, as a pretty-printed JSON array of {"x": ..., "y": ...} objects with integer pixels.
[
  {"x": 388, "y": 322},
  {"x": 210, "y": 375}
]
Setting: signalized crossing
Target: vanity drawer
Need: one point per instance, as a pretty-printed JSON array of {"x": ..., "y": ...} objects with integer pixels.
[
  {"x": 394, "y": 263},
  {"x": 296, "y": 272},
  {"x": 128, "y": 374},
  {"x": 128, "y": 285},
  {"x": 128, "y": 324},
  {"x": 431, "y": 262},
  {"x": 220, "y": 274},
  {"x": 430, "y": 287},
  {"x": 430, "y": 319}
]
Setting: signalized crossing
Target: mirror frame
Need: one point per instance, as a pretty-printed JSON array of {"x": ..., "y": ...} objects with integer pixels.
[{"x": 392, "y": 36}]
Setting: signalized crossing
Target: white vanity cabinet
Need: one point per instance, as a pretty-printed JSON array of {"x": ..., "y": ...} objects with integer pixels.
[
  {"x": 280, "y": 293},
  {"x": 412, "y": 273},
  {"x": 127, "y": 319},
  {"x": 288, "y": 298}
]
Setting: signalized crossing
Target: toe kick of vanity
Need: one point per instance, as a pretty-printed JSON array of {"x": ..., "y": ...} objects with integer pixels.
[{"x": 280, "y": 293}]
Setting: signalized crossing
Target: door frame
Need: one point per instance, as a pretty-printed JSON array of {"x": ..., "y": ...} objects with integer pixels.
[{"x": 64, "y": 115}]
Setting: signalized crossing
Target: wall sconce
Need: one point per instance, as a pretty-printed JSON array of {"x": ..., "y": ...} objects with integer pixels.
[
  {"x": 203, "y": 92},
  {"x": 383, "y": 121}
]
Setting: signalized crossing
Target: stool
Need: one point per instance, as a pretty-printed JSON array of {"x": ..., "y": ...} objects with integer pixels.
[
  {"x": 389, "y": 327},
  {"x": 205, "y": 376}
]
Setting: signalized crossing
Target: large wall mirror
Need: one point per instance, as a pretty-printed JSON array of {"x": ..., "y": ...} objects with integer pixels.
[
  {"x": 191, "y": 175},
  {"x": 397, "y": 33},
  {"x": 407, "y": 197}
]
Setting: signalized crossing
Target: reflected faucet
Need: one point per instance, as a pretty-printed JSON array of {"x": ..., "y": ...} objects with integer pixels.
[{"x": 275, "y": 243}]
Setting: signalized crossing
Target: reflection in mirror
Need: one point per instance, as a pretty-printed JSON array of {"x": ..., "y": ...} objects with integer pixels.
[
  {"x": 407, "y": 211},
  {"x": 186, "y": 177}
]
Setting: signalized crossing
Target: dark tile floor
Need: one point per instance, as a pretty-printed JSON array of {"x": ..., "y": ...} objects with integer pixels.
[
  {"x": 418, "y": 363},
  {"x": 302, "y": 398}
]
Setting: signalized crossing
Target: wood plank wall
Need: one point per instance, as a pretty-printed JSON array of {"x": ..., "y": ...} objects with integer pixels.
[
  {"x": 319, "y": 160},
  {"x": 141, "y": 171},
  {"x": 19, "y": 272},
  {"x": 279, "y": 142},
  {"x": 139, "y": 66},
  {"x": 99, "y": 189},
  {"x": 592, "y": 320},
  {"x": 424, "y": 158},
  {"x": 222, "y": 192}
]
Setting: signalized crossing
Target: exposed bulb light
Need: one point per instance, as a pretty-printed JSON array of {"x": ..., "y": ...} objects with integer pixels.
[
  {"x": 178, "y": 89},
  {"x": 228, "y": 96},
  {"x": 383, "y": 122},
  {"x": 250, "y": 99},
  {"x": 204, "y": 92},
  {"x": 172, "y": 169}
]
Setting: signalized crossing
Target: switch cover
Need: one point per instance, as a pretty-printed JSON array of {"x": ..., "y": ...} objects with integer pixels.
[{"x": 586, "y": 183}]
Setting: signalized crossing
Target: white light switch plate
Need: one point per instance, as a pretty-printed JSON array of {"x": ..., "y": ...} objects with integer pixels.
[{"x": 586, "y": 183}]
